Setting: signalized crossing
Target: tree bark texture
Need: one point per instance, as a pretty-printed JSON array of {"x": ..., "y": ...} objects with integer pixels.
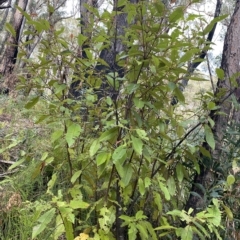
[
  {"x": 225, "y": 88},
  {"x": 11, "y": 49}
]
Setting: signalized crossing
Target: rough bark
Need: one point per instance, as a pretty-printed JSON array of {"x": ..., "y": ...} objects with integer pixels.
[
  {"x": 11, "y": 50},
  {"x": 225, "y": 88}
]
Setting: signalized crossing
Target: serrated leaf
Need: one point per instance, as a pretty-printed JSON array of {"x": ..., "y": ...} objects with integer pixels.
[
  {"x": 230, "y": 180},
  {"x": 176, "y": 14},
  {"x": 31, "y": 103},
  {"x": 220, "y": 73},
  {"x": 209, "y": 136},
  {"x": 137, "y": 145},
  {"x": 73, "y": 132}
]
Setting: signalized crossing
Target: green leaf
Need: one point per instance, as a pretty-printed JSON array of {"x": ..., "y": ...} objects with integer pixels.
[
  {"x": 220, "y": 73},
  {"x": 10, "y": 29},
  {"x": 50, "y": 8},
  {"x": 165, "y": 191},
  {"x": 204, "y": 152},
  {"x": 147, "y": 182},
  {"x": 158, "y": 201},
  {"x": 228, "y": 212},
  {"x": 179, "y": 170},
  {"x": 178, "y": 93},
  {"x": 138, "y": 103},
  {"x": 127, "y": 174},
  {"x": 211, "y": 106},
  {"x": 165, "y": 227},
  {"x": 187, "y": 233},
  {"x": 137, "y": 145},
  {"x": 171, "y": 186},
  {"x": 109, "y": 135},
  {"x": 188, "y": 55},
  {"x": 141, "y": 186},
  {"x": 119, "y": 153},
  {"x": 176, "y": 14},
  {"x": 77, "y": 204},
  {"x": 16, "y": 164},
  {"x": 210, "y": 26},
  {"x": 209, "y": 136},
  {"x": 44, "y": 156},
  {"x": 132, "y": 231},
  {"x": 73, "y": 132},
  {"x": 94, "y": 147},
  {"x": 27, "y": 16},
  {"x": 200, "y": 227},
  {"x": 31, "y": 103},
  {"x": 142, "y": 134},
  {"x": 102, "y": 158},
  {"x": 76, "y": 176},
  {"x": 56, "y": 135},
  {"x": 142, "y": 231},
  {"x": 230, "y": 180},
  {"x": 44, "y": 220},
  {"x": 159, "y": 6},
  {"x": 81, "y": 39},
  {"x": 68, "y": 225}
]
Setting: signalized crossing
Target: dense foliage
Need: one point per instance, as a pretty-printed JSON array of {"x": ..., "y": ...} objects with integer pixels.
[{"x": 119, "y": 161}]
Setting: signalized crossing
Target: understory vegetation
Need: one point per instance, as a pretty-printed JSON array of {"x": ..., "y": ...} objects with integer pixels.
[{"x": 93, "y": 151}]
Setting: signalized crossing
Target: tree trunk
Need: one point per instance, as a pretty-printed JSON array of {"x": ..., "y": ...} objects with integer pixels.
[
  {"x": 225, "y": 88},
  {"x": 11, "y": 50}
]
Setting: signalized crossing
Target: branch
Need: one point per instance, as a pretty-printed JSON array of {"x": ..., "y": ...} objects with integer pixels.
[
  {"x": 8, "y": 162},
  {"x": 192, "y": 66},
  {"x": 4, "y": 7}
]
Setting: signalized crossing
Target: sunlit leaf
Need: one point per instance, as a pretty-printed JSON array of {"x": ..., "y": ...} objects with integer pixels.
[
  {"x": 73, "y": 131},
  {"x": 137, "y": 145},
  {"x": 230, "y": 180}
]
